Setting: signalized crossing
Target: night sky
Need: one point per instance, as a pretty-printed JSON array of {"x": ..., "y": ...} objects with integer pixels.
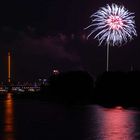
[{"x": 48, "y": 34}]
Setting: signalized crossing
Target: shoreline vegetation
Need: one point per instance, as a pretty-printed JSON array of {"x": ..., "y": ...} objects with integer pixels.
[{"x": 79, "y": 87}]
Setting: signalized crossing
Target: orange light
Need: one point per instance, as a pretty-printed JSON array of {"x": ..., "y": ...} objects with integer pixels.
[
  {"x": 9, "y": 67},
  {"x": 9, "y": 118}
]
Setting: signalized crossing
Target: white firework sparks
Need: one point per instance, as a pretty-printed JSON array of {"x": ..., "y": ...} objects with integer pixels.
[{"x": 112, "y": 25}]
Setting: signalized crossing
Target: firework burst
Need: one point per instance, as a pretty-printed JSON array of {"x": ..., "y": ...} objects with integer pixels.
[{"x": 112, "y": 25}]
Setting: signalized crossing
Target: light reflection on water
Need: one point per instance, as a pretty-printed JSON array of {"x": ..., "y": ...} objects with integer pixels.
[
  {"x": 115, "y": 124},
  {"x": 8, "y": 118},
  {"x": 29, "y": 119}
]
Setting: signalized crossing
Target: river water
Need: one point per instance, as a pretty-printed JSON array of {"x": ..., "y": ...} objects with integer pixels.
[{"x": 40, "y": 120}]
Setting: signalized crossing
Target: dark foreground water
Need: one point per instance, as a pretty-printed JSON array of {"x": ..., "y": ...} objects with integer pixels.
[{"x": 39, "y": 120}]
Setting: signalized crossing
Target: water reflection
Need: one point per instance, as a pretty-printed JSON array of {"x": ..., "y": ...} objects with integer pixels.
[
  {"x": 34, "y": 120},
  {"x": 115, "y": 124},
  {"x": 8, "y": 118}
]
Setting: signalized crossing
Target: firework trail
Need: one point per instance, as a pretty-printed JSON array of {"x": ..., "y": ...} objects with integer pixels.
[{"x": 112, "y": 25}]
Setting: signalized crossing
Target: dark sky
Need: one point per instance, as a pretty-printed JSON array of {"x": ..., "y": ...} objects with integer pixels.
[{"x": 39, "y": 35}]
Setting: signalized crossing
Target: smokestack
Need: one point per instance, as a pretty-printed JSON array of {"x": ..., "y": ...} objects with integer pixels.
[{"x": 9, "y": 67}]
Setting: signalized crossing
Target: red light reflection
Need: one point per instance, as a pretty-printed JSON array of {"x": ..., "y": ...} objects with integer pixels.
[{"x": 115, "y": 124}]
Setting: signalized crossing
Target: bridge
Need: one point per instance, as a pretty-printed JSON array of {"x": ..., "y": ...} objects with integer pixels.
[{"x": 19, "y": 88}]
